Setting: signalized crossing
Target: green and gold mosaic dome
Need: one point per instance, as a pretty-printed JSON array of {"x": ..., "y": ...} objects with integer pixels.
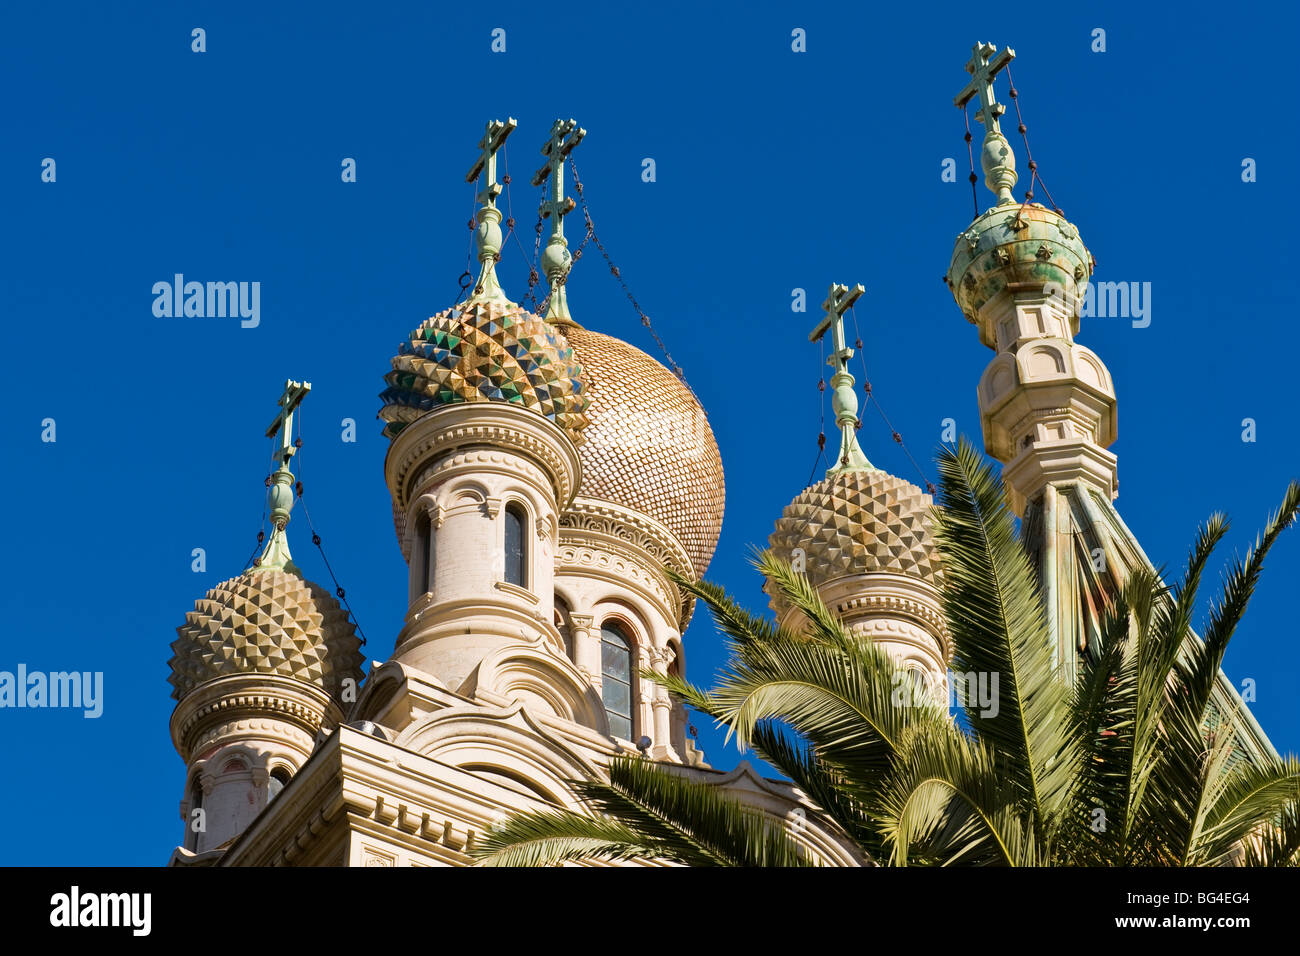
[{"x": 486, "y": 351}]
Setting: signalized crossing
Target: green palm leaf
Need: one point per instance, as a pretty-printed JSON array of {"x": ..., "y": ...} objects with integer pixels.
[{"x": 995, "y": 614}]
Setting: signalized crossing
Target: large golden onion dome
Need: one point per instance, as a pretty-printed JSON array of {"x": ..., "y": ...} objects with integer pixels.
[
  {"x": 485, "y": 351},
  {"x": 648, "y": 443},
  {"x": 266, "y": 621},
  {"x": 857, "y": 522}
]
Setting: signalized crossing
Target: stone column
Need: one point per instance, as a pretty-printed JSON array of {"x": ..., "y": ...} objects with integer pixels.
[{"x": 586, "y": 648}]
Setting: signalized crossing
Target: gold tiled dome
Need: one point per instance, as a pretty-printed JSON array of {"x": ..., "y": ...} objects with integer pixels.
[
  {"x": 648, "y": 443},
  {"x": 857, "y": 522},
  {"x": 266, "y": 622}
]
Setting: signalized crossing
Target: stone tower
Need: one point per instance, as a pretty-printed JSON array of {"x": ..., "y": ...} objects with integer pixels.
[
  {"x": 259, "y": 668},
  {"x": 1019, "y": 273}
]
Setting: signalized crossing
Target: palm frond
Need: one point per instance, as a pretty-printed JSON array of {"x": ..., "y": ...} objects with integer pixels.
[
  {"x": 949, "y": 801},
  {"x": 554, "y": 837},
  {"x": 995, "y": 613},
  {"x": 670, "y": 808}
]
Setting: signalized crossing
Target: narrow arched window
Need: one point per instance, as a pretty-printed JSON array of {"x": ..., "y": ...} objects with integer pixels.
[
  {"x": 516, "y": 544},
  {"x": 279, "y": 777},
  {"x": 420, "y": 551},
  {"x": 616, "y": 679},
  {"x": 196, "y": 803}
]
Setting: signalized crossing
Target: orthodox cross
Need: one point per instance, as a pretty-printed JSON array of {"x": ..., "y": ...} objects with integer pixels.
[
  {"x": 565, "y": 135},
  {"x": 844, "y": 400},
  {"x": 488, "y": 234},
  {"x": 982, "y": 71},
  {"x": 996, "y": 158},
  {"x": 294, "y": 393},
  {"x": 279, "y": 497},
  {"x": 838, "y": 301},
  {"x": 493, "y": 139}
]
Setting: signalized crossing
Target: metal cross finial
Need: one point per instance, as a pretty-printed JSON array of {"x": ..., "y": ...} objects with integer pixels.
[
  {"x": 294, "y": 393},
  {"x": 494, "y": 137},
  {"x": 488, "y": 234},
  {"x": 844, "y": 400},
  {"x": 997, "y": 159},
  {"x": 982, "y": 71},
  {"x": 279, "y": 497},
  {"x": 565, "y": 135}
]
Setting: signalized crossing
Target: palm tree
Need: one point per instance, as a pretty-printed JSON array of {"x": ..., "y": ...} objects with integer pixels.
[{"x": 1129, "y": 767}]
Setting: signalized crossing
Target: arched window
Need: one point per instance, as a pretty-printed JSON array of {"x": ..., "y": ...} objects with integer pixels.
[
  {"x": 196, "y": 803},
  {"x": 279, "y": 777},
  {"x": 616, "y": 679},
  {"x": 421, "y": 550},
  {"x": 516, "y": 545}
]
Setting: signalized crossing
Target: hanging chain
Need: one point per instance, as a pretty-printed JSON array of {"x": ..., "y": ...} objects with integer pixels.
[
  {"x": 1029, "y": 157},
  {"x": 614, "y": 271},
  {"x": 970, "y": 153},
  {"x": 871, "y": 397}
]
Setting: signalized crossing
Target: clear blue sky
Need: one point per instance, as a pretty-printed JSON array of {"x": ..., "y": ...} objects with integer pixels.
[{"x": 775, "y": 170}]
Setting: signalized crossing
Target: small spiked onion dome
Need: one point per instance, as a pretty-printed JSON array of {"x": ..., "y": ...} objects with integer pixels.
[
  {"x": 266, "y": 621},
  {"x": 858, "y": 519},
  {"x": 269, "y": 620},
  {"x": 857, "y": 522}
]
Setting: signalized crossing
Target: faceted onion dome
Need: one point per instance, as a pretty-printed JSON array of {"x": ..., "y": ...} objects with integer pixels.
[
  {"x": 487, "y": 351},
  {"x": 648, "y": 443},
  {"x": 857, "y": 522},
  {"x": 266, "y": 622}
]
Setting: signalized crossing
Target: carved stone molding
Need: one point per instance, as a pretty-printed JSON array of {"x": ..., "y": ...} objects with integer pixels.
[{"x": 481, "y": 427}]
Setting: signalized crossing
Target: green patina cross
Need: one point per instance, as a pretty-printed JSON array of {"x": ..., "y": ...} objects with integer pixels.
[
  {"x": 839, "y": 300},
  {"x": 982, "y": 71},
  {"x": 493, "y": 139},
  {"x": 294, "y": 393},
  {"x": 565, "y": 135},
  {"x": 844, "y": 401}
]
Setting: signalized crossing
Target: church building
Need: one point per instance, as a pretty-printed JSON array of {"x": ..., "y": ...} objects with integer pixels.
[{"x": 543, "y": 475}]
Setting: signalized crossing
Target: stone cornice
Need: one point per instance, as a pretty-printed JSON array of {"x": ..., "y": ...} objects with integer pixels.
[
  {"x": 599, "y": 525},
  {"x": 228, "y": 700},
  {"x": 489, "y": 425}
]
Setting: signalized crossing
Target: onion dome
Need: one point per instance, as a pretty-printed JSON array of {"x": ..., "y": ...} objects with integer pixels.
[
  {"x": 486, "y": 350},
  {"x": 1013, "y": 244},
  {"x": 858, "y": 519},
  {"x": 269, "y": 620},
  {"x": 648, "y": 443},
  {"x": 266, "y": 621},
  {"x": 858, "y": 522}
]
